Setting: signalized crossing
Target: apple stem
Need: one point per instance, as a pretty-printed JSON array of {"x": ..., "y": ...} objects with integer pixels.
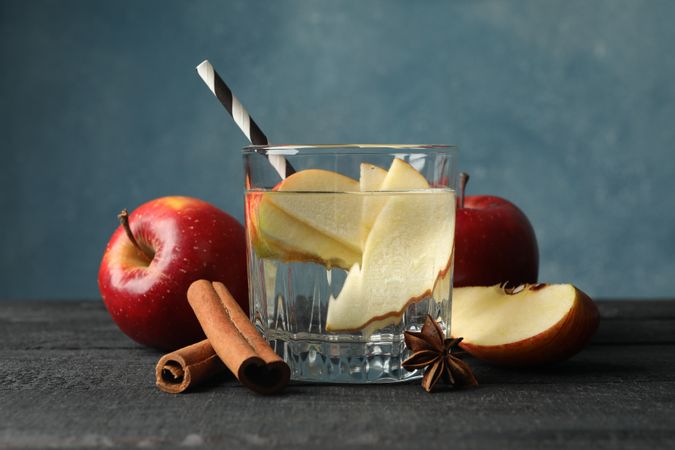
[
  {"x": 463, "y": 179},
  {"x": 124, "y": 221}
]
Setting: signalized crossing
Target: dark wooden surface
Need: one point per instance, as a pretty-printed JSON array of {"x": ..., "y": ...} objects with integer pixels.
[{"x": 69, "y": 378}]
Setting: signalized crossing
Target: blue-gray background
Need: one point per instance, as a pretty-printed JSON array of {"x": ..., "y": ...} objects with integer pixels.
[{"x": 565, "y": 107}]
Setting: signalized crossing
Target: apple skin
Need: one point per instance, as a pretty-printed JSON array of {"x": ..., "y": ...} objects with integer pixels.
[
  {"x": 191, "y": 239},
  {"x": 558, "y": 343},
  {"x": 494, "y": 243}
]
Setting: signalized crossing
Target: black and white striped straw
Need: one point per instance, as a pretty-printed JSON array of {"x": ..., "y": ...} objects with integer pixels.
[{"x": 241, "y": 117}]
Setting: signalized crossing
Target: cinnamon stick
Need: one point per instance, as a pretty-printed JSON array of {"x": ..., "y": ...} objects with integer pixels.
[
  {"x": 188, "y": 367},
  {"x": 235, "y": 340}
]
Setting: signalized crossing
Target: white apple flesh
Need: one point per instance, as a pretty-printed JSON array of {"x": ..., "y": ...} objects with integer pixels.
[
  {"x": 308, "y": 218},
  {"x": 285, "y": 237},
  {"x": 401, "y": 176},
  {"x": 371, "y": 177},
  {"x": 370, "y": 180},
  {"x": 528, "y": 325},
  {"x": 324, "y": 207},
  {"x": 405, "y": 254}
]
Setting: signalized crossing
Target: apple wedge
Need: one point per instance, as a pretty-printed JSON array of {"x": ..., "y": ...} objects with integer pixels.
[
  {"x": 276, "y": 234},
  {"x": 528, "y": 325},
  {"x": 401, "y": 176},
  {"x": 324, "y": 208},
  {"x": 408, "y": 248},
  {"x": 371, "y": 177},
  {"x": 370, "y": 180}
]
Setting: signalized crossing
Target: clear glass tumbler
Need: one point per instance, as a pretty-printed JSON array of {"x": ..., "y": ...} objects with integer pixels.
[{"x": 352, "y": 247}]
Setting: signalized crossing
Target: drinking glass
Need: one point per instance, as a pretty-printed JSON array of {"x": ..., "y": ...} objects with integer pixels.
[{"x": 349, "y": 249}]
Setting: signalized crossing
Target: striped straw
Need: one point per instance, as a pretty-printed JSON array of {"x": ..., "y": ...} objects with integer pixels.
[{"x": 241, "y": 117}]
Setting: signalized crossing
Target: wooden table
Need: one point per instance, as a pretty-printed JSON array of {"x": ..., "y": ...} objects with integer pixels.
[{"x": 69, "y": 378}]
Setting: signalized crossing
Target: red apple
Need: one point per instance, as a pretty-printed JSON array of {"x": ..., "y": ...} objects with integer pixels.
[
  {"x": 154, "y": 256},
  {"x": 494, "y": 242}
]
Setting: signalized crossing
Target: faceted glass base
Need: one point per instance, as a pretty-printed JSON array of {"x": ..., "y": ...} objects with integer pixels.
[{"x": 313, "y": 358}]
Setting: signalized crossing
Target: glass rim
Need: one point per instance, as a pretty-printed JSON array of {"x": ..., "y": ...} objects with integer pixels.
[{"x": 294, "y": 149}]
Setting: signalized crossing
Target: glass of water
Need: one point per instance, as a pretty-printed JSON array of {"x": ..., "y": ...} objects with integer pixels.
[{"x": 349, "y": 249}]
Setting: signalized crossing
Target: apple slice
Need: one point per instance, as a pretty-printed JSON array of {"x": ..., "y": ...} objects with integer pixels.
[
  {"x": 317, "y": 226},
  {"x": 324, "y": 208},
  {"x": 401, "y": 176},
  {"x": 282, "y": 235},
  {"x": 408, "y": 248},
  {"x": 371, "y": 180},
  {"x": 371, "y": 177},
  {"x": 275, "y": 234},
  {"x": 527, "y": 325}
]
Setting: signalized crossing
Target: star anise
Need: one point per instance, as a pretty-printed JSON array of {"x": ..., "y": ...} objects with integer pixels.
[{"x": 439, "y": 356}]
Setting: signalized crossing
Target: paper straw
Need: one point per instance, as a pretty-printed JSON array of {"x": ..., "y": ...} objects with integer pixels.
[{"x": 241, "y": 117}]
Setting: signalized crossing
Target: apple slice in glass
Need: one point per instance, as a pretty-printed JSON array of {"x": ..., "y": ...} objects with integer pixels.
[
  {"x": 324, "y": 208},
  {"x": 531, "y": 324},
  {"x": 371, "y": 177},
  {"x": 315, "y": 227},
  {"x": 276, "y": 234},
  {"x": 370, "y": 180},
  {"x": 401, "y": 176},
  {"x": 407, "y": 250}
]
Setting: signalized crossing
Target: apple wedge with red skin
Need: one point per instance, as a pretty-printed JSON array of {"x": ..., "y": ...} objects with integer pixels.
[
  {"x": 494, "y": 242},
  {"x": 181, "y": 240},
  {"x": 294, "y": 227},
  {"x": 528, "y": 325}
]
